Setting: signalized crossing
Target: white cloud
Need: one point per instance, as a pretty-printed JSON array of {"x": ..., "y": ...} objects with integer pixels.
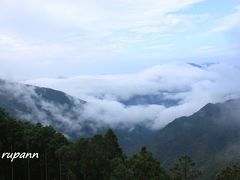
[
  {"x": 78, "y": 34},
  {"x": 88, "y": 25},
  {"x": 228, "y": 22},
  {"x": 50, "y": 37},
  {"x": 211, "y": 50},
  {"x": 13, "y": 47},
  {"x": 193, "y": 86},
  {"x": 121, "y": 14},
  {"x": 107, "y": 14},
  {"x": 27, "y": 104}
]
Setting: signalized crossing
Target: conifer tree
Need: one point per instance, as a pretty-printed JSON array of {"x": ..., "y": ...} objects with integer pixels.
[
  {"x": 184, "y": 169},
  {"x": 229, "y": 173}
]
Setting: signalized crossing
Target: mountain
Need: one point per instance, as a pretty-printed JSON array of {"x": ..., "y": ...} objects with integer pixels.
[
  {"x": 195, "y": 65},
  {"x": 41, "y": 105},
  {"x": 64, "y": 113},
  {"x": 158, "y": 99},
  {"x": 210, "y": 136}
]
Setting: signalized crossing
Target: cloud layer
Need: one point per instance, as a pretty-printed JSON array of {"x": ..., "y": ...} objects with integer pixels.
[
  {"x": 191, "y": 86},
  {"x": 51, "y": 38},
  {"x": 77, "y": 36}
]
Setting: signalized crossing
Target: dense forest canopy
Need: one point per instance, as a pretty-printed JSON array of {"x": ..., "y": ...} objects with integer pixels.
[
  {"x": 98, "y": 157},
  {"x": 95, "y": 158}
]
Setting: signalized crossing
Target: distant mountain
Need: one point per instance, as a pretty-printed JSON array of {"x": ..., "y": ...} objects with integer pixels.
[
  {"x": 41, "y": 105},
  {"x": 202, "y": 65},
  {"x": 63, "y": 112},
  {"x": 210, "y": 136},
  {"x": 158, "y": 99},
  {"x": 195, "y": 65}
]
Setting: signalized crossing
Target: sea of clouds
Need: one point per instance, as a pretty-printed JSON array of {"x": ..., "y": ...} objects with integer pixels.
[{"x": 191, "y": 86}]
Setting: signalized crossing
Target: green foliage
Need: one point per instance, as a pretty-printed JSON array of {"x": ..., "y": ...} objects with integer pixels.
[
  {"x": 229, "y": 173},
  {"x": 112, "y": 145},
  {"x": 141, "y": 166},
  {"x": 121, "y": 169},
  {"x": 184, "y": 169},
  {"x": 145, "y": 167},
  {"x": 96, "y": 158},
  {"x": 210, "y": 136},
  {"x": 18, "y": 136}
]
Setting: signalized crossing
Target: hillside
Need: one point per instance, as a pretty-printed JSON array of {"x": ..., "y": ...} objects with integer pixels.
[
  {"x": 64, "y": 113},
  {"x": 99, "y": 157},
  {"x": 210, "y": 136},
  {"x": 44, "y": 105}
]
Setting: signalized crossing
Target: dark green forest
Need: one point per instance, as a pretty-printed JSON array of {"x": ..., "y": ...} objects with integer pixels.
[{"x": 95, "y": 158}]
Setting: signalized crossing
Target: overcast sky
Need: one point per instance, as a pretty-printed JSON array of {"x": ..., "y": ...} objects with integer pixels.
[
  {"x": 109, "y": 51},
  {"x": 65, "y": 38}
]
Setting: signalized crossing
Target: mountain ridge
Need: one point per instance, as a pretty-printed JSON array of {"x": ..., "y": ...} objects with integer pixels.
[{"x": 210, "y": 136}]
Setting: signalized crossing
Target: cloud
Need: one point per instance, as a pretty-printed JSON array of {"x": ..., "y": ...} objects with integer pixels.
[
  {"x": 190, "y": 86},
  {"x": 41, "y": 32},
  {"x": 118, "y": 15},
  {"x": 25, "y": 102},
  {"x": 228, "y": 22},
  {"x": 14, "y": 47},
  {"x": 109, "y": 17},
  {"x": 79, "y": 37},
  {"x": 49, "y": 38}
]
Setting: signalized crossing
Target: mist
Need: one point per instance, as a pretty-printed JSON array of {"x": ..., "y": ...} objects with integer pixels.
[{"x": 188, "y": 86}]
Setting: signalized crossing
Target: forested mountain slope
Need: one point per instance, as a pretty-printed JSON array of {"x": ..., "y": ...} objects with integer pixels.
[{"x": 210, "y": 136}]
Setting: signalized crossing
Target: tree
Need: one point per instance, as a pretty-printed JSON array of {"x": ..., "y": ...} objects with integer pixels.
[
  {"x": 20, "y": 136},
  {"x": 62, "y": 154},
  {"x": 95, "y": 158},
  {"x": 121, "y": 169},
  {"x": 112, "y": 145},
  {"x": 145, "y": 167},
  {"x": 229, "y": 173},
  {"x": 184, "y": 169}
]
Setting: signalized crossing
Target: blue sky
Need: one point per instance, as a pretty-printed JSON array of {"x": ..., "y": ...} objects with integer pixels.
[{"x": 51, "y": 38}]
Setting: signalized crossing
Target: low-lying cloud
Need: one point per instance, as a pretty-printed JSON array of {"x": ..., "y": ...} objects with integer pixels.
[
  {"x": 28, "y": 103},
  {"x": 190, "y": 87}
]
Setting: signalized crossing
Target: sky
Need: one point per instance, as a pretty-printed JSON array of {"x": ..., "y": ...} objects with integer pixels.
[
  {"x": 67, "y": 38},
  {"x": 110, "y": 52}
]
